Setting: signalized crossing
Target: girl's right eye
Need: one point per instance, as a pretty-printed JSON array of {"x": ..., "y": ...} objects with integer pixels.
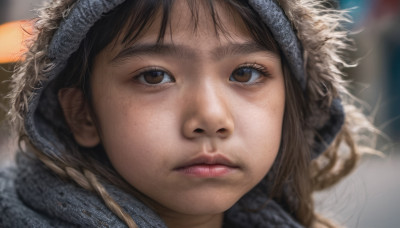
[{"x": 154, "y": 77}]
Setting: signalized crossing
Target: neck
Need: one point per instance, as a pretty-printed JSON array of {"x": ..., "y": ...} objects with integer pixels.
[{"x": 192, "y": 221}]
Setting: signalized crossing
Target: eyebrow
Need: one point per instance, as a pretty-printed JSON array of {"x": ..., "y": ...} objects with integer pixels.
[
  {"x": 245, "y": 48},
  {"x": 185, "y": 52}
]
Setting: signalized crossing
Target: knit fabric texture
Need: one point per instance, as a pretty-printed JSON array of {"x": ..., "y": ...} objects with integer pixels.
[
  {"x": 32, "y": 196},
  {"x": 284, "y": 35}
]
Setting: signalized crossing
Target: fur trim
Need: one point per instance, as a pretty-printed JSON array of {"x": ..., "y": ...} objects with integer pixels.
[
  {"x": 319, "y": 30},
  {"x": 29, "y": 74}
]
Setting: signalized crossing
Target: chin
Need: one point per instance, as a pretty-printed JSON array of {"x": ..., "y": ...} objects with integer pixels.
[{"x": 211, "y": 205}]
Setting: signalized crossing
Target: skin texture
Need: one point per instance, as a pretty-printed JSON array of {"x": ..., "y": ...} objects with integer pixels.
[{"x": 195, "y": 105}]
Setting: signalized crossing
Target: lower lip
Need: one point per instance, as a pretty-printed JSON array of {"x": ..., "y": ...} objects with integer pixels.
[{"x": 206, "y": 170}]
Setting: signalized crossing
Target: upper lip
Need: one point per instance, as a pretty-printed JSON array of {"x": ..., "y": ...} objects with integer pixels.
[{"x": 216, "y": 159}]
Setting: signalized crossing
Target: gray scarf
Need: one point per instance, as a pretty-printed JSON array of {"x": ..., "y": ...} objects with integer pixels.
[{"x": 32, "y": 196}]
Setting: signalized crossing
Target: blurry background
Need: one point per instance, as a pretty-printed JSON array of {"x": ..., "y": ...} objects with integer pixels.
[
  {"x": 10, "y": 10},
  {"x": 368, "y": 198}
]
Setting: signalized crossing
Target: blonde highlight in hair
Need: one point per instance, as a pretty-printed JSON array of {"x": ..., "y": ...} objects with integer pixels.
[{"x": 89, "y": 181}]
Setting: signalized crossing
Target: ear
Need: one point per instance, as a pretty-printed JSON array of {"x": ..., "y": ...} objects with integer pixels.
[{"x": 77, "y": 114}]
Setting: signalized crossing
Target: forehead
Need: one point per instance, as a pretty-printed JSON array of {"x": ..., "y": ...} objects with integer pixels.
[
  {"x": 201, "y": 24},
  {"x": 192, "y": 32},
  {"x": 217, "y": 19},
  {"x": 184, "y": 19}
]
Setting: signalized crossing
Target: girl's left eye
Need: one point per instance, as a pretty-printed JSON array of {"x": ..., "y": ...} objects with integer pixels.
[
  {"x": 248, "y": 74},
  {"x": 154, "y": 77}
]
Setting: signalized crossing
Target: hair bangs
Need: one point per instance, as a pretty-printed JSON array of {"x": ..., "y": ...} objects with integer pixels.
[{"x": 129, "y": 21}]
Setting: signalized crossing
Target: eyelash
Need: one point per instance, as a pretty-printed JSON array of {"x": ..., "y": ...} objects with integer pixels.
[
  {"x": 255, "y": 66},
  {"x": 262, "y": 70},
  {"x": 142, "y": 72}
]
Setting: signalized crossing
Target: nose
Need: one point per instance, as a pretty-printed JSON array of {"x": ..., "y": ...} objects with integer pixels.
[{"x": 207, "y": 113}]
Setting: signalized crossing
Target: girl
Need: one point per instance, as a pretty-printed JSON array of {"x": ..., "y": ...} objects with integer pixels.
[{"x": 181, "y": 113}]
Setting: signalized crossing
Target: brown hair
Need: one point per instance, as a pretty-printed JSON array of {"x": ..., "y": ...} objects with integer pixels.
[{"x": 293, "y": 174}]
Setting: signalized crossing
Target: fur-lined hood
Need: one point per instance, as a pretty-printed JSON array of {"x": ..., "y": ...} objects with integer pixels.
[
  {"x": 319, "y": 38},
  {"x": 318, "y": 29}
]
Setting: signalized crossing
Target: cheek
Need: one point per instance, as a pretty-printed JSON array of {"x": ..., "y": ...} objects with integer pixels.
[
  {"x": 133, "y": 133},
  {"x": 259, "y": 130}
]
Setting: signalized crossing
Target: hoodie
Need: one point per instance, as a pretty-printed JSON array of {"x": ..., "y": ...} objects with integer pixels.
[{"x": 32, "y": 195}]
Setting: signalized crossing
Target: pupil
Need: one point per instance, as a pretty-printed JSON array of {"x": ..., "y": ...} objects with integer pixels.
[
  {"x": 243, "y": 75},
  {"x": 154, "y": 77}
]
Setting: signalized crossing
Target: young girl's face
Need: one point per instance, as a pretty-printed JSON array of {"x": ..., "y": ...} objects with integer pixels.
[{"x": 194, "y": 122}]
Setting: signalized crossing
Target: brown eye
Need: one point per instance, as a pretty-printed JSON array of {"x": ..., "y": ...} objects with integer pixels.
[
  {"x": 242, "y": 75},
  {"x": 154, "y": 77},
  {"x": 248, "y": 74}
]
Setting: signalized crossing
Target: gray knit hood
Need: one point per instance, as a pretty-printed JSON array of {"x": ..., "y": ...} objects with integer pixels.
[{"x": 308, "y": 36}]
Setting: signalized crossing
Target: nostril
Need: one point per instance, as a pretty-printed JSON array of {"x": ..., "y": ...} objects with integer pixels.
[
  {"x": 199, "y": 130},
  {"x": 222, "y": 131}
]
